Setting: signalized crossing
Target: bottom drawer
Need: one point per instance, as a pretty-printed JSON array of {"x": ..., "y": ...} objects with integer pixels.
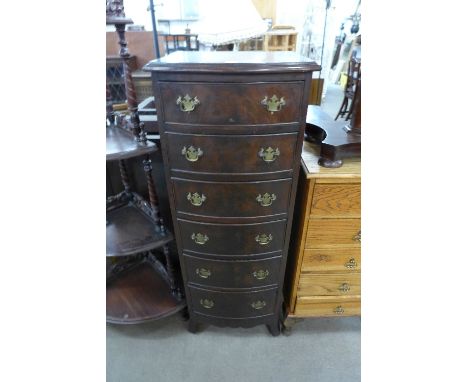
[
  {"x": 233, "y": 304},
  {"x": 327, "y": 307}
]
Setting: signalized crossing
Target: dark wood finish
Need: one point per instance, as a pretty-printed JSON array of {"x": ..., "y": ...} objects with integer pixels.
[
  {"x": 240, "y": 237},
  {"x": 120, "y": 144},
  {"x": 140, "y": 295},
  {"x": 230, "y": 116},
  {"x": 232, "y": 274},
  {"x": 232, "y": 199},
  {"x": 336, "y": 141},
  {"x": 232, "y": 154}
]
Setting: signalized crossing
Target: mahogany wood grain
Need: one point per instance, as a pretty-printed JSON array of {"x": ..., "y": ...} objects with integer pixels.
[{"x": 120, "y": 144}]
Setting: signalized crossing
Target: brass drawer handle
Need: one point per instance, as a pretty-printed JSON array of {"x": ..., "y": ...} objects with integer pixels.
[
  {"x": 357, "y": 237},
  {"x": 266, "y": 199},
  {"x": 269, "y": 154},
  {"x": 344, "y": 287},
  {"x": 192, "y": 154},
  {"x": 199, "y": 238},
  {"x": 339, "y": 310},
  {"x": 208, "y": 304},
  {"x": 196, "y": 199},
  {"x": 351, "y": 263},
  {"x": 258, "y": 304},
  {"x": 261, "y": 274},
  {"x": 273, "y": 104},
  {"x": 264, "y": 239},
  {"x": 187, "y": 103},
  {"x": 203, "y": 273}
]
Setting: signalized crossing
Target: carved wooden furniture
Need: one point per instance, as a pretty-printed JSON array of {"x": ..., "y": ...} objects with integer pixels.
[
  {"x": 231, "y": 126},
  {"x": 323, "y": 277},
  {"x": 139, "y": 286},
  {"x": 353, "y": 81}
]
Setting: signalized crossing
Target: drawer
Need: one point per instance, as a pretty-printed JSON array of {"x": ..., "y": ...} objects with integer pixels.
[
  {"x": 233, "y": 304},
  {"x": 233, "y": 154},
  {"x": 232, "y": 239},
  {"x": 231, "y": 103},
  {"x": 327, "y": 307},
  {"x": 232, "y": 199},
  {"x": 333, "y": 232},
  {"x": 232, "y": 274},
  {"x": 336, "y": 200},
  {"x": 311, "y": 284},
  {"x": 331, "y": 260}
]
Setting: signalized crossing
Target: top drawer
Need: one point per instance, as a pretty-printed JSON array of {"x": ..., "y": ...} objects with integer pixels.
[{"x": 231, "y": 103}]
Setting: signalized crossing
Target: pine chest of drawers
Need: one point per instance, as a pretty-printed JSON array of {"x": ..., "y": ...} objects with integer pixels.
[
  {"x": 232, "y": 126},
  {"x": 324, "y": 265}
]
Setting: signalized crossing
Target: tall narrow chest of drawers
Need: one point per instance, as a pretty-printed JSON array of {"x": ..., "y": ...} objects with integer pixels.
[
  {"x": 324, "y": 265},
  {"x": 232, "y": 126}
]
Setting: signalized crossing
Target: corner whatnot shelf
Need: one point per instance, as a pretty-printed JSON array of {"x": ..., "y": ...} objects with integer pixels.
[{"x": 139, "y": 287}]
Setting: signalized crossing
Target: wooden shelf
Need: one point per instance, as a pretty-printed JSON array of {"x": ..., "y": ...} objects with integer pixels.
[
  {"x": 129, "y": 231},
  {"x": 139, "y": 295},
  {"x": 121, "y": 144}
]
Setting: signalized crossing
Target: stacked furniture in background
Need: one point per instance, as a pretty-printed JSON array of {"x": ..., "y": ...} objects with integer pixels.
[
  {"x": 232, "y": 126},
  {"x": 325, "y": 253}
]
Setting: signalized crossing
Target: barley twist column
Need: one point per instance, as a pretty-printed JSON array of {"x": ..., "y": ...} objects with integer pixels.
[{"x": 153, "y": 196}]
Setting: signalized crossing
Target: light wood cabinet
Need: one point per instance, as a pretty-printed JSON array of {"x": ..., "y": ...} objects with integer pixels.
[{"x": 324, "y": 269}]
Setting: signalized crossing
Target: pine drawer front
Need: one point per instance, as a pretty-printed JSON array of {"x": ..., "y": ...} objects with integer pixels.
[
  {"x": 232, "y": 239},
  {"x": 336, "y": 200},
  {"x": 327, "y": 307},
  {"x": 232, "y": 304},
  {"x": 231, "y": 103},
  {"x": 333, "y": 232},
  {"x": 232, "y": 273},
  {"x": 331, "y": 260},
  {"x": 232, "y": 199},
  {"x": 232, "y": 154},
  {"x": 339, "y": 284}
]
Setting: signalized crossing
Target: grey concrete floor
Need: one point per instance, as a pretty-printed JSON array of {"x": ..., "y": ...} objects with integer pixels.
[{"x": 317, "y": 350}]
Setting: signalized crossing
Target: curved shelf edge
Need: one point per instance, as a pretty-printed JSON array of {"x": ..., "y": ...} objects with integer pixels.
[{"x": 120, "y": 144}]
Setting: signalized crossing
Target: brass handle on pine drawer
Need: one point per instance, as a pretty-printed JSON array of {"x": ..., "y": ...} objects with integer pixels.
[
  {"x": 258, "y": 305},
  {"x": 273, "y": 104},
  {"x": 187, "y": 103},
  {"x": 192, "y": 154},
  {"x": 203, "y": 273},
  {"x": 351, "y": 263},
  {"x": 199, "y": 238},
  {"x": 266, "y": 199},
  {"x": 196, "y": 199},
  {"x": 269, "y": 154},
  {"x": 357, "y": 237},
  {"x": 339, "y": 310},
  {"x": 264, "y": 239},
  {"x": 344, "y": 287},
  {"x": 261, "y": 274},
  {"x": 208, "y": 304}
]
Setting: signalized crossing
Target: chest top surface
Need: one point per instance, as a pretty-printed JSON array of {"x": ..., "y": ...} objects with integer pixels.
[{"x": 232, "y": 62}]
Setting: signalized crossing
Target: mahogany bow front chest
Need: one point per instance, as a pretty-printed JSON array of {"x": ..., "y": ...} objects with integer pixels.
[{"x": 232, "y": 126}]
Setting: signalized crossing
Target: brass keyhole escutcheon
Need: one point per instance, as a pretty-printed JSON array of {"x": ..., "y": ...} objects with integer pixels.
[
  {"x": 344, "y": 287},
  {"x": 196, "y": 199},
  {"x": 203, "y": 273},
  {"x": 269, "y": 154},
  {"x": 351, "y": 263},
  {"x": 187, "y": 103},
  {"x": 208, "y": 304},
  {"x": 258, "y": 305},
  {"x": 357, "y": 237},
  {"x": 338, "y": 310},
  {"x": 261, "y": 274},
  {"x": 191, "y": 153},
  {"x": 266, "y": 199},
  {"x": 264, "y": 239},
  {"x": 199, "y": 238},
  {"x": 273, "y": 104}
]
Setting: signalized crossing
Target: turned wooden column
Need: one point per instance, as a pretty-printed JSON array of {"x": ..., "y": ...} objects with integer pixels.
[{"x": 153, "y": 196}]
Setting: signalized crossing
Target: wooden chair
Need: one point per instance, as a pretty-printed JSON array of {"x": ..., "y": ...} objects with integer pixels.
[{"x": 354, "y": 77}]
